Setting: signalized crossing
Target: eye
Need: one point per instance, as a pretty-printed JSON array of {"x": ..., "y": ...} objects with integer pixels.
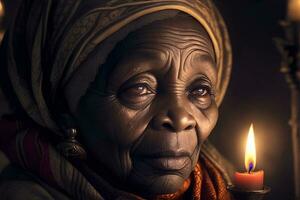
[
  {"x": 136, "y": 90},
  {"x": 201, "y": 96},
  {"x": 200, "y": 92},
  {"x": 136, "y": 95}
]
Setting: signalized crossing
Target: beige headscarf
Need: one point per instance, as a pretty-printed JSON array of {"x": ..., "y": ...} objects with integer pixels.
[{"x": 49, "y": 40}]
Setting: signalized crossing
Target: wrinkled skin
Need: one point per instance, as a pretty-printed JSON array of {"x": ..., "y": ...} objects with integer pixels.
[{"x": 145, "y": 117}]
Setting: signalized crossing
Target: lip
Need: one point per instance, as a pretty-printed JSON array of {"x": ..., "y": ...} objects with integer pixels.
[
  {"x": 167, "y": 154},
  {"x": 166, "y": 160},
  {"x": 167, "y": 163}
]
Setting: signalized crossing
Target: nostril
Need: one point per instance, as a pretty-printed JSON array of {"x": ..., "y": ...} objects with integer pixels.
[{"x": 167, "y": 126}]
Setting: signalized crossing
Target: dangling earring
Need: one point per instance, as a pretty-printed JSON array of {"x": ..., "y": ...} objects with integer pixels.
[{"x": 70, "y": 147}]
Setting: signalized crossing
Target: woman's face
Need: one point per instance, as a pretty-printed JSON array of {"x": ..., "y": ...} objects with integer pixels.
[{"x": 147, "y": 124}]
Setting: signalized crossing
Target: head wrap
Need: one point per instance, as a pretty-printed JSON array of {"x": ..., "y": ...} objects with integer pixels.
[
  {"x": 47, "y": 43},
  {"x": 42, "y": 59}
]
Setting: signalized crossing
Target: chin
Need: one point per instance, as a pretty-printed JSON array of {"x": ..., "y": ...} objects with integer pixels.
[
  {"x": 166, "y": 184},
  {"x": 157, "y": 184}
]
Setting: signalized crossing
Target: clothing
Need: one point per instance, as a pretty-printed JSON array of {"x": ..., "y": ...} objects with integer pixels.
[
  {"x": 43, "y": 53},
  {"x": 45, "y": 174}
]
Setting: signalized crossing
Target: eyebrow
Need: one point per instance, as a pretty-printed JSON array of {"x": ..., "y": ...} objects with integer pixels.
[
  {"x": 148, "y": 59},
  {"x": 204, "y": 58}
]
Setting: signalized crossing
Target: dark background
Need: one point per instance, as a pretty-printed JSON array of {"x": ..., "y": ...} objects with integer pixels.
[{"x": 257, "y": 92}]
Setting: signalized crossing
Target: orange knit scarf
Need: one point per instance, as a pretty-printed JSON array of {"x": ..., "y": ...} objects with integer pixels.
[{"x": 206, "y": 182}]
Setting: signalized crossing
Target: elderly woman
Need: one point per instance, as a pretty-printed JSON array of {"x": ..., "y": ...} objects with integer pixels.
[{"x": 114, "y": 100}]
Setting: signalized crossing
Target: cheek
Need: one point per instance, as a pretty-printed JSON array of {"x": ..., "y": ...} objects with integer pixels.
[
  {"x": 112, "y": 121},
  {"x": 128, "y": 125},
  {"x": 206, "y": 120}
]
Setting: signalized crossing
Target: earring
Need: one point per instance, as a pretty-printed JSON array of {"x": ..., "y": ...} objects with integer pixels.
[{"x": 70, "y": 147}]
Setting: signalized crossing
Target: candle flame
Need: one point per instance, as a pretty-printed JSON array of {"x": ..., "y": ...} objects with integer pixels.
[{"x": 250, "y": 154}]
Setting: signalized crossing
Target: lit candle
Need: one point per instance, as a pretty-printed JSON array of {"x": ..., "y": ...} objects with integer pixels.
[
  {"x": 250, "y": 180},
  {"x": 294, "y": 10}
]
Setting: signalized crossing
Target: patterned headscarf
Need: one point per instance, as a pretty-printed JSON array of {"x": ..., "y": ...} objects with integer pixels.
[{"x": 48, "y": 41}]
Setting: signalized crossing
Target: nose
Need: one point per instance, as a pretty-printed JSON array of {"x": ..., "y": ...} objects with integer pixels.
[{"x": 174, "y": 119}]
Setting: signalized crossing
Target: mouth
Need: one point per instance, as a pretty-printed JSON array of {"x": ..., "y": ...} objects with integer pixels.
[{"x": 166, "y": 161}]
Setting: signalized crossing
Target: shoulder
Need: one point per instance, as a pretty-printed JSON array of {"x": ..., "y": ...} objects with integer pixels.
[
  {"x": 22, "y": 189},
  {"x": 18, "y": 184}
]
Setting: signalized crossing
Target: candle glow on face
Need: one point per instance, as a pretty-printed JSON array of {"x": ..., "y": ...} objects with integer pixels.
[
  {"x": 1, "y": 9},
  {"x": 250, "y": 153}
]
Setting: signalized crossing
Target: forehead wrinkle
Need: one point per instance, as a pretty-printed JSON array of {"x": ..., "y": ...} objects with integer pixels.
[
  {"x": 166, "y": 50},
  {"x": 183, "y": 47},
  {"x": 184, "y": 67},
  {"x": 178, "y": 42},
  {"x": 174, "y": 38},
  {"x": 169, "y": 48},
  {"x": 166, "y": 31},
  {"x": 171, "y": 52},
  {"x": 199, "y": 47},
  {"x": 178, "y": 30},
  {"x": 209, "y": 66},
  {"x": 180, "y": 33},
  {"x": 181, "y": 41},
  {"x": 188, "y": 54},
  {"x": 135, "y": 68},
  {"x": 167, "y": 42},
  {"x": 193, "y": 48},
  {"x": 184, "y": 37},
  {"x": 147, "y": 48}
]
